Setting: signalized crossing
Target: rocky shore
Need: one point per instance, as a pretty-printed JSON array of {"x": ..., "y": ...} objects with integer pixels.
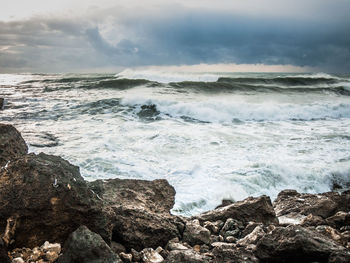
[{"x": 45, "y": 204}]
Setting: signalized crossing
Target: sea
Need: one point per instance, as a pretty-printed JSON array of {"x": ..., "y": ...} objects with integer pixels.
[{"x": 213, "y": 136}]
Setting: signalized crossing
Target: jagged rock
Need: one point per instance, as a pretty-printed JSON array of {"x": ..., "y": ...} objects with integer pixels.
[
  {"x": 225, "y": 202},
  {"x": 253, "y": 237},
  {"x": 51, "y": 256},
  {"x": 12, "y": 144},
  {"x": 186, "y": 256},
  {"x": 224, "y": 254},
  {"x": 88, "y": 247},
  {"x": 339, "y": 220},
  {"x": 3, "y": 252},
  {"x": 290, "y": 203},
  {"x": 151, "y": 256},
  {"x": 232, "y": 227},
  {"x": 293, "y": 244},
  {"x": 332, "y": 234},
  {"x": 312, "y": 220},
  {"x": 249, "y": 228},
  {"x": 175, "y": 245},
  {"x": 56, "y": 247},
  {"x": 136, "y": 256},
  {"x": 164, "y": 253},
  {"x": 196, "y": 234},
  {"x": 45, "y": 198},
  {"x": 142, "y": 210},
  {"x": 251, "y": 209},
  {"x": 339, "y": 257},
  {"x": 213, "y": 227}
]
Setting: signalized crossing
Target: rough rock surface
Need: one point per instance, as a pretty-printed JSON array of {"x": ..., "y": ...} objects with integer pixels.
[
  {"x": 186, "y": 256},
  {"x": 195, "y": 234},
  {"x": 290, "y": 203},
  {"x": 142, "y": 211},
  {"x": 224, "y": 254},
  {"x": 12, "y": 144},
  {"x": 295, "y": 243},
  {"x": 45, "y": 198},
  {"x": 88, "y": 247},
  {"x": 257, "y": 209}
]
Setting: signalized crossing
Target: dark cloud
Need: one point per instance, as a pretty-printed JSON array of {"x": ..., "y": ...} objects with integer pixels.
[{"x": 181, "y": 37}]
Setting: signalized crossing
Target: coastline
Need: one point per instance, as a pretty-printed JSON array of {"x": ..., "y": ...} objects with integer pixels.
[{"x": 44, "y": 198}]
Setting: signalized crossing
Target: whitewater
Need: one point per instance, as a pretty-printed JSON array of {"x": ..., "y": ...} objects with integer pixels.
[{"x": 213, "y": 136}]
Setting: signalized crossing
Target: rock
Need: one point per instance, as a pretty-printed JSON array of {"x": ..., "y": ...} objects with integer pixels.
[
  {"x": 290, "y": 203},
  {"x": 224, "y": 254},
  {"x": 339, "y": 220},
  {"x": 88, "y": 247},
  {"x": 293, "y": 244},
  {"x": 136, "y": 256},
  {"x": 56, "y": 247},
  {"x": 3, "y": 252},
  {"x": 117, "y": 247},
  {"x": 175, "y": 246},
  {"x": 225, "y": 202},
  {"x": 151, "y": 256},
  {"x": 18, "y": 260},
  {"x": 249, "y": 228},
  {"x": 232, "y": 227},
  {"x": 47, "y": 199},
  {"x": 196, "y": 234},
  {"x": 126, "y": 258},
  {"x": 162, "y": 252},
  {"x": 2, "y": 103},
  {"x": 253, "y": 237},
  {"x": 51, "y": 256},
  {"x": 142, "y": 211},
  {"x": 251, "y": 209},
  {"x": 214, "y": 228},
  {"x": 231, "y": 239},
  {"x": 186, "y": 256},
  {"x": 12, "y": 144},
  {"x": 339, "y": 257},
  {"x": 332, "y": 234},
  {"x": 312, "y": 220}
]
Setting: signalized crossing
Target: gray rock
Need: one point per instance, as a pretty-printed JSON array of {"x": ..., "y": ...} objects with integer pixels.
[
  {"x": 339, "y": 220},
  {"x": 88, "y": 247},
  {"x": 186, "y": 256},
  {"x": 126, "y": 258},
  {"x": 196, "y": 234},
  {"x": 251, "y": 209},
  {"x": 117, "y": 247},
  {"x": 224, "y": 254},
  {"x": 253, "y": 237},
  {"x": 295, "y": 244},
  {"x": 151, "y": 256},
  {"x": 232, "y": 227},
  {"x": 12, "y": 144}
]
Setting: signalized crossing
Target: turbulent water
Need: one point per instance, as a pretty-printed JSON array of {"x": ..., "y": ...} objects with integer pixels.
[{"x": 212, "y": 136}]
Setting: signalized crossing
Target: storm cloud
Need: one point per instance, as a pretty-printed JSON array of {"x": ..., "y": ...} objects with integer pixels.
[{"x": 175, "y": 35}]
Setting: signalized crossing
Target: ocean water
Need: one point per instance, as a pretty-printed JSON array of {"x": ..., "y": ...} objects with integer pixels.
[{"x": 211, "y": 135}]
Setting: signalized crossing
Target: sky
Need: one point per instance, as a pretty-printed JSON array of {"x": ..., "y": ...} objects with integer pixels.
[{"x": 111, "y": 35}]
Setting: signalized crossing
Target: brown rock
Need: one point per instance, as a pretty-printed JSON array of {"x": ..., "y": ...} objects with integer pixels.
[
  {"x": 187, "y": 256},
  {"x": 339, "y": 220},
  {"x": 251, "y": 209},
  {"x": 312, "y": 220},
  {"x": 3, "y": 252},
  {"x": 226, "y": 254},
  {"x": 12, "y": 144},
  {"x": 142, "y": 211},
  {"x": 34, "y": 192},
  {"x": 196, "y": 234},
  {"x": 295, "y": 244}
]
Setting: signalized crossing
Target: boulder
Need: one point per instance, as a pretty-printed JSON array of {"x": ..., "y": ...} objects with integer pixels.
[
  {"x": 295, "y": 243},
  {"x": 257, "y": 209},
  {"x": 142, "y": 211},
  {"x": 12, "y": 144},
  {"x": 43, "y": 197},
  {"x": 88, "y": 247},
  {"x": 339, "y": 220},
  {"x": 295, "y": 206},
  {"x": 196, "y": 234},
  {"x": 224, "y": 254},
  {"x": 187, "y": 256}
]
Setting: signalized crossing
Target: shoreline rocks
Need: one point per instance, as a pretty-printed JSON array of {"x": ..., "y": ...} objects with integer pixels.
[{"x": 44, "y": 198}]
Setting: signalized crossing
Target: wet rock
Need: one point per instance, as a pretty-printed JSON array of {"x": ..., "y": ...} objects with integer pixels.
[
  {"x": 46, "y": 199},
  {"x": 224, "y": 254},
  {"x": 148, "y": 111},
  {"x": 88, "y": 247},
  {"x": 225, "y": 202},
  {"x": 142, "y": 211},
  {"x": 186, "y": 256},
  {"x": 12, "y": 144},
  {"x": 151, "y": 256},
  {"x": 290, "y": 203},
  {"x": 339, "y": 220},
  {"x": 251, "y": 209},
  {"x": 126, "y": 258},
  {"x": 312, "y": 220},
  {"x": 293, "y": 244},
  {"x": 196, "y": 234}
]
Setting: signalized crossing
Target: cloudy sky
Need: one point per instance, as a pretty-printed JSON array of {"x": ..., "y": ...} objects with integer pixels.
[{"x": 109, "y": 35}]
